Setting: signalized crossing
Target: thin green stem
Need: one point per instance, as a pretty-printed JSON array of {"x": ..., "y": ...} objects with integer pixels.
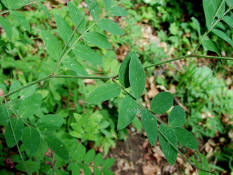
[
  {"x": 13, "y": 133},
  {"x": 83, "y": 77},
  {"x": 188, "y": 56}
]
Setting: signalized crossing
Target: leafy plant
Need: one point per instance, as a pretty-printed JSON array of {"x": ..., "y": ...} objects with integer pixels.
[{"x": 30, "y": 117}]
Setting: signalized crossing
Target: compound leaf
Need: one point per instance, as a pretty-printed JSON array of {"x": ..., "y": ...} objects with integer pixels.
[
  {"x": 186, "y": 138},
  {"x": 97, "y": 39},
  {"x": 31, "y": 139},
  {"x": 166, "y": 138},
  {"x": 161, "y": 102},
  {"x": 149, "y": 123},
  {"x": 110, "y": 26},
  {"x": 128, "y": 110},
  {"x": 103, "y": 93},
  {"x": 177, "y": 117},
  {"x": 137, "y": 77}
]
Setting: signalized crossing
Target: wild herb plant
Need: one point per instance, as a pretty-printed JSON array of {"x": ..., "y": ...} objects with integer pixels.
[{"x": 30, "y": 127}]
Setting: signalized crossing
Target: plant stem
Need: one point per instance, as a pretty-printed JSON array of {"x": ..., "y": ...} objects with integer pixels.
[
  {"x": 83, "y": 77},
  {"x": 188, "y": 56}
]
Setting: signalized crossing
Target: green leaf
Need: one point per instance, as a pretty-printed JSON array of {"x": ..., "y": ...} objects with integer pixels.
[
  {"x": 14, "y": 4},
  {"x": 124, "y": 71},
  {"x": 137, "y": 77},
  {"x": 74, "y": 168},
  {"x": 166, "y": 138},
  {"x": 210, "y": 10},
  {"x": 13, "y": 132},
  {"x": 86, "y": 170},
  {"x": 228, "y": 20},
  {"x": 45, "y": 10},
  {"x": 78, "y": 153},
  {"x": 52, "y": 44},
  {"x": 28, "y": 166},
  {"x": 118, "y": 11},
  {"x": 128, "y": 110},
  {"x": 110, "y": 26},
  {"x": 107, "y": 4},
  {"x": 31, "y": 139},
  {"x": 223, "y": 36},
  {"x": 6, "y": 26},
  {"x": 211, "y": 46},
  {"x": 21, "y": 19},
  {"x": 4, "y": 116},
  {"x": 64, "y": 29},
  {"x": 74, "y": 65},
  {"x": 58, "y": 147},
  {"x": 149, "y": 123},
  {"x": 96, "y": 171},
  {"x": 197, "y": 25},
  {"x": 108, "y": 163},
  {"x": 93, "y": 8},
  {"x": 77, "y": 17},
  {"x": 90, "y": 156},
  {"x": 98, "y": 40},
  {"x": 15, "y": 84},
  {"x": 229, "y": 3},
  {"x": 103, "y": 93},
  {"x": 162, "y": 102},
  {"x": 98, "y": 159},
  {"x": 50, "y": 122},
  {"x": 87, "y": 54},
  {"x": 186, "y": 138},
  {"x": 177, "y": 117}
]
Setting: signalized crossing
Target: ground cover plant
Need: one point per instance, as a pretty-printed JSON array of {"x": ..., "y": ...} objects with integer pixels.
[{"x": 64, "y": 94}]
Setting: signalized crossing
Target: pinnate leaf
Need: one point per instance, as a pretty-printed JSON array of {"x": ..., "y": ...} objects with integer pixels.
[
  {"x": 98, "y": 40},
  {"x": 128, "y": 110},
  {"x": 103, "y": 93},
  {"x": 110, "y": 26},
  {"x": 13, "y": 132},
  {"x": 137, "y": 77},
  {"x": 177, "y": 117},
  {"x": 166, "y": 138},
  {"x": 149, "y": 123},
  {"x": 31, "y": 139},
  {"x": 58, "y": 147},
  {"x": 162, "y": 102},
  {"x": 186, "y": 138}
]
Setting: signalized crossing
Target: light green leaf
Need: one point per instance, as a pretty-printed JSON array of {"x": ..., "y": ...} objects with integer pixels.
[
  {"x": 128, "y": 110},
  {"x": 223, "y": 36},
  {"x": 98, "y": 159},
  {"x": 177, "y": 117},
  {"x": 118, "y": 11},
  {"x": 197, "y": 25},
  {"x": 186, "y": 138},
  {"x": 96, "y": 171},
  {"x": 166, "y": 138},
  {"x": 80, "y": 152},
  {"x": 98, "y": 40},
  {"x": 211, "y": 46},
  {"x": 137, "y": 77},
  {"x": 31, "y": 139},
  {"x": 162, "y": 102},
  {"x": 14, "y": 4},
  {"x": 31, "y": 166},
  {"x": 149, "y": 123},
  {"x": 74, "y": 168},
  {"x": 124, "y": 71},
  {"x": 229, "y": 3},
  {"x": 77, "y": 17},
  {"x": 21, "y": 19},
  {"x": 64, "y": 29},
  {"x": 50, "y": 122},
  {"x": 228, "y": 20},
  {"x": 93, "y": 8},
  {"x": 74, "y": 65},
  {"x": 6, "y": 26},
  {"x": 58, "y": 147},
  {"x": 90, "y": 156},
  {"x": 12, "y": 135},
  {"x": 52, "y": 44},
  {"x": 108, "y": 4},
  {"x": 103, "y": 93},
  {"x": 4, "y": 117},
  {"x": 42, "y": 6},
  {"x": 86, "y": 170},
  {"x": 87, "y": 54},
  {"x": 108, "y": 163},
  {"x": 15, "y": 84},
  {"x": 210, "y": 9},
  {"x": 110, "y": 26}
]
